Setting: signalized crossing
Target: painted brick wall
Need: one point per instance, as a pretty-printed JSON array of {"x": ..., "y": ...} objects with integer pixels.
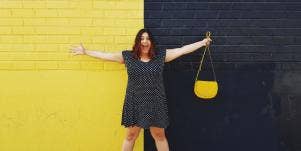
[
  {"x": 256, "y": 52},
  {"x": 244, "y": 31},
  {"x": 50, "y": 100},
  {"x": 36, "y": 34}
]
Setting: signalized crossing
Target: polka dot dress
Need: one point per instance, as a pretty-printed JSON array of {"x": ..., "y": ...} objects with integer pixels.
[{"x": 145, "y": 102}]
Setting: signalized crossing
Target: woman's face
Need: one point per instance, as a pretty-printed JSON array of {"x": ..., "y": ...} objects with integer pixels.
[{"x": 145, "y": 42}]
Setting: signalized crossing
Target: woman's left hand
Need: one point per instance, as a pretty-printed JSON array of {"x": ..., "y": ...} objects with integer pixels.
[{"x": 207, "y": 41}]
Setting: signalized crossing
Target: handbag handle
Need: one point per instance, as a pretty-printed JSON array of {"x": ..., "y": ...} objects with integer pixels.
[{"x": 208, "y": 34}]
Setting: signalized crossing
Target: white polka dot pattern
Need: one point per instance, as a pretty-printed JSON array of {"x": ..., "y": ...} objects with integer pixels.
[{"x": 145, "y": 102}]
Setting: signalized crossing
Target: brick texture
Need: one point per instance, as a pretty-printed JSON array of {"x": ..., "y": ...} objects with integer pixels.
[
  {"x": 36, "y": 35},
  {"x": 256, "y": 53},
  {"x": 244, "y": 32}
]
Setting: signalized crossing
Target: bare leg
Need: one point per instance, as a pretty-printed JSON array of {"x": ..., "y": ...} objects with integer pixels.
[
  {"x": 131, "y": 136},
  {"x": 160, "y": 138}
]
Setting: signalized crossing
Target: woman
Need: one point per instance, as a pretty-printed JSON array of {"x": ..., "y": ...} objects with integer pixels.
[{"x": 145, "y": 102}]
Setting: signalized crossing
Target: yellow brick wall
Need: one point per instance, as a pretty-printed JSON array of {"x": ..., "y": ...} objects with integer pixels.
[{"x": 51, "y": 100}]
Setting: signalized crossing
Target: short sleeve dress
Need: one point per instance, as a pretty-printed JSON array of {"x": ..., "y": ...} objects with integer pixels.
[{"x": 145, "y": 101}]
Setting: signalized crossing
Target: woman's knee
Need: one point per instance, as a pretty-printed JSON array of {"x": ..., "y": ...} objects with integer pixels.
[
  {"x": 132, "y": 134},
  {"x": 158, "y": 134}
]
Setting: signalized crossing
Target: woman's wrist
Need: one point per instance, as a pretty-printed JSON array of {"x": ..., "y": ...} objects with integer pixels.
[{"x": 204, "y": 42}]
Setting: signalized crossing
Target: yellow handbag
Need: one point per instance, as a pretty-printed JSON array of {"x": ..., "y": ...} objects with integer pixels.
[{"x": 205, "y": 89}]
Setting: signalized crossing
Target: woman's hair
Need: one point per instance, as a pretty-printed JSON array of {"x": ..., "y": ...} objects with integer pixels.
[{"x": 137, "y": 44}]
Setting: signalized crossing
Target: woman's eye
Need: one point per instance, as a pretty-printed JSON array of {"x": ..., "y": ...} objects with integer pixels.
[{"x": 144, "y": 38}]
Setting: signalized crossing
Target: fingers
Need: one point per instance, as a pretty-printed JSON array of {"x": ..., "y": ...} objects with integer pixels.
[
  {"x": 72, "y": 50},
  {"x": 208, "y": 41},
  {"x": 75, "y": 49},
  {"x": 73, "y": 53}
]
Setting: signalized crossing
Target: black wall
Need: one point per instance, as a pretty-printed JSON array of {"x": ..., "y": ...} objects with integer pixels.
[{"x": 257, "y": 57}]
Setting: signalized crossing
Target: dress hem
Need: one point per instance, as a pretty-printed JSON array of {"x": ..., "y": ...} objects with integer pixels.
[{"x": 145, "y": 126}]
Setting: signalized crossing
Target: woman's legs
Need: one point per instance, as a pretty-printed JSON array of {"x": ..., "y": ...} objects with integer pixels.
[
  {"x": 131, "y": 135},
  {"x": 160, "y": 139}
]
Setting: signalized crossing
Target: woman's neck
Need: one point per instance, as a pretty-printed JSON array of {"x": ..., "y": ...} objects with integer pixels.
[{"x": 144, "y": 56}]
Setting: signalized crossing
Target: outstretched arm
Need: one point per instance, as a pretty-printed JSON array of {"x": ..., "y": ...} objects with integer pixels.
[
  {"x": 108, "y": 56},
  {"x": 172, "y": 54}
]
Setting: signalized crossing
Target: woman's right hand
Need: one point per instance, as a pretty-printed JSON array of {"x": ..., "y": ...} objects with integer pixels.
[{"x": 78, "y": 50}]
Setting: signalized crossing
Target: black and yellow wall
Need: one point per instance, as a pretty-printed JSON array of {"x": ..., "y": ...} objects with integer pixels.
[{"x": 50, "y": 100}]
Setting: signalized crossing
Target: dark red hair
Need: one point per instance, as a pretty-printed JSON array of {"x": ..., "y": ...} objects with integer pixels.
[{"x": 137, "y": 44}]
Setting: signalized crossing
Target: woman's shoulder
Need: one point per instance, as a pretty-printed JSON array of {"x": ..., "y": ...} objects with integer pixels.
[{"x": 125, "y": 52}]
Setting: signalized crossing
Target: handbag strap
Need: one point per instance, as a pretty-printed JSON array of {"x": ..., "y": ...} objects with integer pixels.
[{"x": 208, "y": 34}]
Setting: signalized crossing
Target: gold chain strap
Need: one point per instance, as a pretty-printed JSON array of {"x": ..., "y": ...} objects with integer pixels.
[{"x": 208, "y": 34}]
